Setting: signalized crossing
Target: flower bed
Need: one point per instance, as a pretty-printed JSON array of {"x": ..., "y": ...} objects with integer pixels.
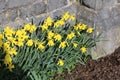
[{"x": 39, "y": 52}]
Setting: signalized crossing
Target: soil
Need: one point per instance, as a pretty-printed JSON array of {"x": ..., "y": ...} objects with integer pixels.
[{"x": 104, "y": 68}]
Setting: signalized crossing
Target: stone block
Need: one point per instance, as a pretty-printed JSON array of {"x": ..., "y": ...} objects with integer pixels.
[
  {"x": 17, "y": 3},
  {"x": 118, "y": 1},
  {"x": 2, "y": 5},
  {"x": 8, "y": 16},
  {"x": 105, "y": 13},
  {"x": 11, "y": 14},
  {"x": 99, "y": 4},
  {"x": 86, "y": 15},
  {"x": 2, "y": 18},
  {"x": 109, "y": 3},
  {"x": 39, "y": 8},
  {"x": 108, "y": 24},
  {"x": 33, "y": 10},
  {"x": 94, "y": 4},
  {"x": 71, "y": 9},
  {"x": 117, "y": 20},
  {"x": 116, "y": 10},
  {"x": 54, "y": 4}
]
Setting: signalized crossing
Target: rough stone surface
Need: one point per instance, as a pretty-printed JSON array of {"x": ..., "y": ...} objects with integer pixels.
[
  {"x": 99, "y": 4},
  {"x": 8, "y": 16},
  {"x": 118, "y": 1},
  {"x": 107, "y": 22},
  {"x": 2, "y": 18},
  {"x": 95, "y": 4},
  {"x": 11, "y": 15},
  {"x": 17, "y": 3},
  {"x": 54, "y": 4},
  {"x": 2, "y": 5},
  {"x": 36, "y": 9}
]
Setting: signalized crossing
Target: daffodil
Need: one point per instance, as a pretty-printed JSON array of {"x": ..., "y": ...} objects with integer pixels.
[
  {"x": 72, "y": 17},
  {"x": 1, "y": 43},
  {"x": 56, "y": 24},
  {"x": 48, "y": 21},
  {"x": 19, "y": 43},
  {"x": 76, "y": 27},
  {"x": 11, "y": 66},
  {"x": 60, "y": 62},
  {"x": 50, "y": 35},
  {"x": 33, "y": 28},
  {"x": 82, "y": 27},
  {"x": 51, "y": 43},
  {"x": 41, "y": 46},
  {"x": 20, "y": 33},
  {"x": 90, "y": 30},
  {"x": 83, "y": 49},
  {"x": 71, "y": 35},
  {"x": 58, "y": 37},
  {"x": 59, "y": 23},
  {"x": 1, "y": 36},
  {"x": 7, "y": 59},
  {"x": 9, "y": 31},
  {"x": 13, "y": 51},
  {"x": 62, "y": 44},
  {"x": 75, "y": 45},
  {"x": 27, "y": 26},
  {"x": 12, "y": 40},
  {"x": 44, "y": 27},
  {"x": 29, "y": 42},
  {"x": 6, "y": 46},
  {"x": 65, "y": 16}
]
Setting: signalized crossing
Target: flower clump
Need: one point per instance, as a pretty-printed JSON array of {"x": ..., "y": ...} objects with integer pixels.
[{"x": 51, "y": 46}]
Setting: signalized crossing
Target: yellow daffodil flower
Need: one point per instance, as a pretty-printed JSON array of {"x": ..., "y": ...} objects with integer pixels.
[
  {"x": 76, "y": 27},
  {"x": 72, "y": 17},
  {"x": 62, "y": 44},
  {"x": 9, "y": 31},
  {"x": 13, "y": 51},
  {"x": 58, "y": 37},
  {"x": 60, "y": 62},
  {"x": 65, "y": 16},
  {"x": 33, "y": 28},
  {"x": 7, "y": 59},
  {"x": 44, "y": 27},
  {"x": 1, "y": 36},
  {"x": 50, "y": 35},
  {"x": 82, "y": 27},
  {"x": 1, "y": 43},
  {"x": 11, "y": 66},
  {"x": 48, "y": 21},
  {"x": 71, "y": 35},
  {"x": 19, "y": 43},
  {"x": 83, "y": 49},
  {"x": 51, "y": 43},
  {"x": 90, "y": 30},
  {"x": 75, "y": 45},
  {"x": 41, "y": 46},
  {"x": 29, "y": 42},
  {"x": 6, "y": 46},
  {"x": 27, "y": 26}
]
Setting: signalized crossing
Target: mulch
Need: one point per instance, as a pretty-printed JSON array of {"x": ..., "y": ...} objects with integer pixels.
[{"x": 104, "y": 68}]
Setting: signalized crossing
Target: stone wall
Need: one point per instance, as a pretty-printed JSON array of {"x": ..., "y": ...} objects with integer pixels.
[
  {"x": 17, "y": 12},
  {"x": 104, "y": 15}
]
